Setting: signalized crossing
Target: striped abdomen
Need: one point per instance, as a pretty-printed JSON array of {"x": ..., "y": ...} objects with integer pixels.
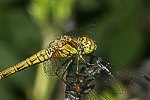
[{"x": 39, "y": 57}]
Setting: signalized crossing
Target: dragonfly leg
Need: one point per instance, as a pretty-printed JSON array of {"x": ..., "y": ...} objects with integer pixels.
[
  {"x": 77, "y": 68},
  {"x": 86, "y": 61},
  {"x": 61, "y": 77},
  {"x": 65, "y": 70}
]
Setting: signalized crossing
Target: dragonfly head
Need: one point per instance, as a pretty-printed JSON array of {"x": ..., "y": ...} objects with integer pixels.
[{"x": 86, "y": 45}]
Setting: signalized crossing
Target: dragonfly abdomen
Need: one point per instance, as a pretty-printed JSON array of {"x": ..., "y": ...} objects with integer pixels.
[{"x": 39, "y": 57}]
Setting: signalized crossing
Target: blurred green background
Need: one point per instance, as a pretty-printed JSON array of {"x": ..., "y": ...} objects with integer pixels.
[{"x": 121, "y": 29}]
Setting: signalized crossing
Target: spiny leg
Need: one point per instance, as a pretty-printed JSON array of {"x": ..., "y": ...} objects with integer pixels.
[
  {"x": 79, "y": 58},
  {"x": 77, "y": 68},
  {"x": 86, "y": 61},
  {"x": 69, "y": 62},
  {"x": 68, "y": 65}
]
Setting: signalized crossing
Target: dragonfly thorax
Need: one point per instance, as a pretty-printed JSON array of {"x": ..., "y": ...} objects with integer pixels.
[{"x": 86, "y": 45}]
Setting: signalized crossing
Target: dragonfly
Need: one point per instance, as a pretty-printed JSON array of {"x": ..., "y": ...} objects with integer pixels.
[
  {"x": 87, "y": 81},
  {"x": 63, "y": 47}
]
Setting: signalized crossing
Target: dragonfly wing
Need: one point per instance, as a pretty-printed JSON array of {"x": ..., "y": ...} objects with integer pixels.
[
  {"x": 51, "y": 65},
  {"x": 106, "y": 87},
  {"x": 135, "y": 83},
  {"x": 93, "y": 95},
  {"x": 48, "y": 68},
  {"x": 128, "y": 83}
]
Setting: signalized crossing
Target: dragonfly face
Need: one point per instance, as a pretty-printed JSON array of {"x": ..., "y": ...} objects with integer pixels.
[{"x": 86, "y": 45}]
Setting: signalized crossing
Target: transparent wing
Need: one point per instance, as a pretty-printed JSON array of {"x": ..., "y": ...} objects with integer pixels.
[
  {"x": 135, "y": 84},
  {"x": 51, "y": 65},
  {"x": 93, "y": 95},
  {"x": 128, "y": 83},
  {"x": 86, "y": 29},
  {"x": 109, "y": 87}
]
